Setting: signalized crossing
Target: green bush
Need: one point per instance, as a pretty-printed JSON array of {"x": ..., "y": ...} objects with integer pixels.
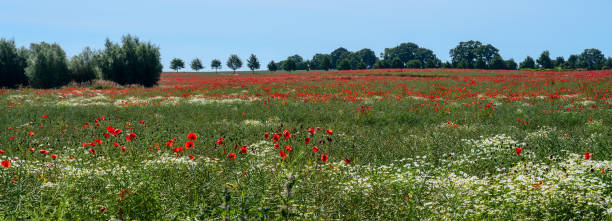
[
  {"x": 47, "y": 66},
  {"x": 133, "y": 62},
  {"x": 413, "y": 64},
  {"x": 83, "y": 67},
  {"x": 12, "y": 65}
]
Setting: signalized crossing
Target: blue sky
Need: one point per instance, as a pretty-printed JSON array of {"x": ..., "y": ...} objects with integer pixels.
[{"x": 275, "y": 29}]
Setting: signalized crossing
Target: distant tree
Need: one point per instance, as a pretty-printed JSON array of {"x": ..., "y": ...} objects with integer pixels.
[
  {"x": 290, "y": 65},
  {"x": 405, "y": 52},
  {"x": 397, "y": 63},
  {"x": 177, "y": 64},
  {"x": 497, "y": 63},
  {"x": 414, "y": 63},
  {"x": 83, "y": 67},
  {"x": 465, "y": 52},
  {"x": 544, "y": 61},
  {"x": 297, "y": 58},
  {"x": 47, "y": 66},
  {"x": 528, "y": 63},
  {"x": 325, "y": 63},
  {"x": 480, "y": 63},
  {"x": 215, "y": 64},
  {"x": 196, "y": 64},
  {"x": 609, "y": 63},
  {"x": 344, "y": 64},
  {"x": 486, "y": 52},
  {"x": 367, "y": 56},
  {"x": 379, "y": 65},
  {"x": 511, "y": 64},
  {"x": 559, "y": 62},
  {"x": 463, "y": 64},
  {"x": 132, "y": 62},
  {"x": 272, "y": 66},
  {"x": 306, "y": 65},
  {"x": 591, "y": 59},
  {"x": 361, "y": 65},
  {"x": 12, "y": 65},
  {"x": 253, "y": 63},
  {"x": 447, "y": 64},
  {"x": 335, "y": 56},
  {"x": 234, "y": 62},
  {"x": 572, "y": 62}
]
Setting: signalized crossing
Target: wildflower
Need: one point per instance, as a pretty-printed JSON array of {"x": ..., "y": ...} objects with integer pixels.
[
  {"x": 315, "y": 149},
  {"x": 189, "y": 144},
  {"x": 116, "y": 144},
  {"x": 329, "y": 131},
  {"x": 288, "y": 148},
  {"x": 267, "y": 135},
  {"x": 192, "y": 136},
  {"x": 346, "y": 160},
  {"x": 324, "y": 157},
  {"x": 12, "y": 138},
  {"x": 286, "y": 134},
  {"x": 92, "y": 150},
  {"x": 98, "y": 141},
  {"x": 106, "y": 135},
  {"x": 32, "y": 150},
  {"x": 275, "y": 138},
  {"x": 191, "y": 157},
  {"x": 123, "y": 149},
  {"x": 44, "y": 151},
  {"x": 44, "y": 116},
  {"x": 277, "y": 146},
  {"x": 307, "y": 140},
  {"x": 1, "y": 152},
  {"x": 519, "y": 151},
  {"x": 130, "y": 136},
  {"x": 588, "y": 156},
  {"x": 283, "y": 155},
  {"x": 177, "y": 149},
  {"x": 231, "y": 156},
  {"x": 220, "y": 141},
  {"x": 31, "y": 133},
  {"x": 53, "y": 156},
  {"x": 311, "y": 131},
  {"x": 243, "y": 149},
  {"x": 6, "y": 163}
]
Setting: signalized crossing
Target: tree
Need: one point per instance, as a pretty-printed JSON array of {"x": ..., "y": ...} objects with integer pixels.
[
  {"x": 466, "y": 52},
  {"x": 414, "y": 63},
  {"x": 591, "y": 59},
  {"x": 559, "y": 62},
  {"x": 486, "y": 52},
  {"x": 325, "y": 63},
  {"x": 297, "y": 58},
  {"x": 609, "y": 63},
  {"x": 447, "y": 64},
  {"x": 405, "y": 52},
  {"x": 290, "y": 65},
  {"x": 397, "y": 63},
  {"x": 177, "y": 64},
  {"x": 544, "y": 61},
  {"x": 196, "y": 64},
  {"x": 47, "y": 66},
  {"x": 572, "y": 62},
  {"x": 215, "y": 64},
  {"x": 83, "y": 67},
  {"x": 132, "y": 62},
  {"x": 253, "y": 63},
  {"x": 497, "y": 63},
  {"x": 379, "y": 65},
  {"x": 367, "y": 56},
  {"x": 335, "y": 56},
  {"x": 12, "y": 65},
  {"x": 361, "y": 65},
  {"x": 272, "y": 66},
  {"x": 480, "y": 63},
  {"x": 528, "y": 63},
  {"x": 511, "y": 64},
  {"x": 234, "y": 62},
  {"x": 344, "y": 64}
]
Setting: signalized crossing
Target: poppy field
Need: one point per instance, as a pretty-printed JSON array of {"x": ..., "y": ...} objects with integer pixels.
[{"x": 388, "y": 144}]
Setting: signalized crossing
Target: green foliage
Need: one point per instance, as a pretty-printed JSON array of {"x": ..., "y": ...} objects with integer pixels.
[
  {"x": 544, "y": 61},
  {"x": 336, "y": 55},
  {"x": 12, "y": 65},
  {"x": 497, "y": 63},
  {"x": 379, "y": 65},
  {"x": 272, "y": 66},
  {"x": 289, "y": 65},
  {"x": 361, "y": 65},
  {"x": 469, "y": 52},
  {"x": 367, "y": 57},
  {"x": 591, "y": 59},
  {"x": 177, "y": 64},
  {"x": 480, "y": 63},
  {"x": 397, "y": 63},
  {"x": 196, "y": 64},
  {"x": 253, "y": 63},
  {"x": 559, "y": 62},
  {"x": 234, "y": 62},
  {"x": 511, "y": 64},
  {"x": 413, "y": 64},
  {"x": 47, "y": 66},
  {"x": 132, "y": 62},
  {"x": 528, "y": 63},
  {"x": 215, "y": 64},
  {"x": 326, "y": 63},
  {"x": 344, "y": 64},
  {"x": 84, "y": 67}
]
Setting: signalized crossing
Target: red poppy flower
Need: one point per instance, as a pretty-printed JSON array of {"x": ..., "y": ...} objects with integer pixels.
[
  {"x": 141, "y": 122},
  {"x": 130, "y": 136},
  {"x": 286, "y": 134},
  {"x": 315, "y": 149},
  {"x": 519, "y": 151},
  {"x": 189, "y": 144},
  {"x": 44, "y": 116},
  {"x": 32, "y": 150},
  {"x": 53, "y": 156},
  {"x": 93, "y": 144},
  {"x": 44, "y": 151},
  {"x": 277, "y": 146},
  {"x": 191, "y": 157},
  {"x": 106, "y": 135},
  {"x": 324, "y": 157},
  {"x": 92, "y": 150},
  {"x": 123, "y": 149},
  {"x": 110, "y": 129},
  {"x": 98, "y": 141},
  {"x": 220, "y": 141},
  {"x": 267, "y": 135},
  {"x": 275, "y": 137},
  {"x": 590, "y": 119},
  {"x": 6, "y": 163},
  {"x": 288, "y": 148},
  {"x": 12, "y": 138},
  {"x": 307, "y": 140},
  {"x": 243, "y": 149},
  {"x": 231, "y": 156},
  {"x": 1, "y": 152},
  {"x": 31, "y": 133},
  {"x": 588, "y": 156},
  {"x": 192, "y": 136},
  {"x": 283, "y": 155},
  {"x": 311, "y": 131},
  {"x": 116, "y": 144},
  {"x": 177, "y": 149},
  {"x": 329, "y": 131},
  {"x": 346, "y": 160}
]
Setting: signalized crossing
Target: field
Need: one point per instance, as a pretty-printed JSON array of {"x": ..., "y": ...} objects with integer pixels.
[{"x": 344, "y": 145}]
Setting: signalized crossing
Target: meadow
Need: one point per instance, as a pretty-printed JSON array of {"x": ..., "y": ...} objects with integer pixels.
[{"x": 389, "y": 144}]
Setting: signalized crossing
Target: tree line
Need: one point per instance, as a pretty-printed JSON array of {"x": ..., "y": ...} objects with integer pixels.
[
  {"x": 45, "y": 65},
  {"x": 466, "y": 55}
]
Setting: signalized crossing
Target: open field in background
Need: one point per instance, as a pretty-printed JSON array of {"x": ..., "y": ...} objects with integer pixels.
[{"x": 390, "y": 144}]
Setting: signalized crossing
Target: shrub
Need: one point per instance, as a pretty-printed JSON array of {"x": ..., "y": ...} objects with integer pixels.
[
  {"x": 413, "y": 64},
  {"x": 133, "y": 62},
  {"x": 83, "y": 67},
  {"x": 47, "y": 66},
  {"x": 12, "y": 65}
]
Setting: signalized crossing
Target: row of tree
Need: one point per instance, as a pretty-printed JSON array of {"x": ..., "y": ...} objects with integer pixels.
[
  {"x": 468, "y": 54},
  {"x": 45, "y": 65}
]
